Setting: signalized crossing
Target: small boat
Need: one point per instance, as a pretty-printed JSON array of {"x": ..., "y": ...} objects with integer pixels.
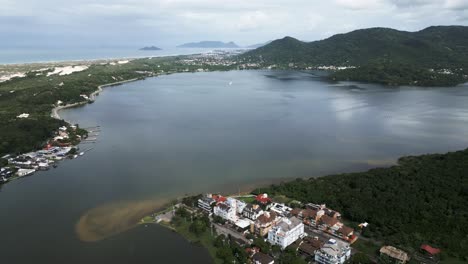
[
  {"x": 230, "y": 83},
  {"x": 55, "y": 166},
  {"x": 81, "y": 153}
]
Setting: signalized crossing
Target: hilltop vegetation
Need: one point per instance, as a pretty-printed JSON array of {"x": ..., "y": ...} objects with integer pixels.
[
  {"x": 381, "y": 51},
  {"x": 422, "y": 200}
]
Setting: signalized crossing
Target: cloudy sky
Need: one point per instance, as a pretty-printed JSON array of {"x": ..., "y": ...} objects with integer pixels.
[{"x": 171, "y": 22}]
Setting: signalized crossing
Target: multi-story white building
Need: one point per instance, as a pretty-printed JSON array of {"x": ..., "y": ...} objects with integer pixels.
[
  {"x": 206, "y": 202},
  {"x": 333, "y": 252},
  {"x": 286, "y": 232},
  {"x": 227, "y": 210}
]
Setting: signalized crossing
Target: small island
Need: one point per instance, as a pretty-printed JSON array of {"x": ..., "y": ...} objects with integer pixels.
[{"x": 151, "y": 48}]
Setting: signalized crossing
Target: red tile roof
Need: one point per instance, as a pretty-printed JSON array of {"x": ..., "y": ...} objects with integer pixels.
[
  {"x": 219, "y": 198},
  {"x": 329, "y": 221},
  {"x": 430, "y": 250},
  {"x": 263, "y": 198},
  {"x": 346, "y": 231}
]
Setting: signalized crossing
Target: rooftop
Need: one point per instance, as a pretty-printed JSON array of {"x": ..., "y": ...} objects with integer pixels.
[{"x": 394, "y": 253}]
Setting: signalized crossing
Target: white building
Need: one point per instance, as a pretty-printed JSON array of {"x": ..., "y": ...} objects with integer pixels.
[
  {"x": 334, "y": 252},
  {"x": 286, "y": 232},
  {"x": 206, "y": 202},
  {"x": 281, "y": 209},
  {"x": 252, "y": 211},
  {"x": 227, "y": 210}
]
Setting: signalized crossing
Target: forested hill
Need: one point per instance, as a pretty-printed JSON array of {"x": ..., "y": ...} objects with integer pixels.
[
  {"x": 441, "y": 47},
  {"x": 422, "y": 200}
]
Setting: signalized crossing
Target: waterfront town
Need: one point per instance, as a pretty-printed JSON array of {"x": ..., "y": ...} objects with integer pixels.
[
  {"x": 62, "y": 146},
  {"x": 313, "y": 232}
]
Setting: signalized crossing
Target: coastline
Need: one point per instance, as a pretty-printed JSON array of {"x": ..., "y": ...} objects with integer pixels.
[{"x": 55, "y": 111}]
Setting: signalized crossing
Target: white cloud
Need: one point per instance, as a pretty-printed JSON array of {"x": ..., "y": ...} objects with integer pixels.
[
  {"x": 247, "y": 22},
  {"x": 362, "y": 4}
]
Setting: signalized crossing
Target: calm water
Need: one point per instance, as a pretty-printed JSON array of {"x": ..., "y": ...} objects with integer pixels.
[{"x": 190, "y": 133}]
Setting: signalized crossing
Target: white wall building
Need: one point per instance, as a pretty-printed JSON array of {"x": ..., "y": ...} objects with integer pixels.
[
  {"x": 334, "y": 252},
  {"x": 227, "y": 210},
  {"x": 286, "y": 232}
]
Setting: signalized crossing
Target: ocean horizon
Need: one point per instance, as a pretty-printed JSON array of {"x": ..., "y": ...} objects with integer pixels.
[{"x": 20, "y": 55}]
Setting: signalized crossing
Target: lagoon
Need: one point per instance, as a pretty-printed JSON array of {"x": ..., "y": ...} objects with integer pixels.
[{"x": 211, "y": 132}]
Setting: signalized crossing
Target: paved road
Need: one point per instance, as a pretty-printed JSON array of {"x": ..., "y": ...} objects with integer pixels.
[{"x": 226, "y": 231}]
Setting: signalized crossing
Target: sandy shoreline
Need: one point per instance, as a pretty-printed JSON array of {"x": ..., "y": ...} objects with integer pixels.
[{"x": 55, "y": 111}]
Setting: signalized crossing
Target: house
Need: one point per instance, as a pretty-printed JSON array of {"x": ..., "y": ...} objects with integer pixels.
[
  {"x": 323, "y": 207},
  {"x": 226, "y": 210},
  {"x": 263, "y": 199},
  {"x": 310, "y": 245},
  {"x": 393, "y": 254},
  {"x": 333, "y": 252},
  {"x": 264, "y": 223},
  {"x": 206, "y": 203},
  {"x": 286, "y": 232},
  {"x": 261, "y": 258},
  {"x": 429, "y": 250},
  {"x": 309, "y": 216},
  {"x": 346, "y": 232},
  {"x": 280, "y": 209},
  {"x": 25, "y": 172},
  {"x": 240, "y": 205},
  {"x": 252, "y": 211},
  {"x": 328, "y": 223}
]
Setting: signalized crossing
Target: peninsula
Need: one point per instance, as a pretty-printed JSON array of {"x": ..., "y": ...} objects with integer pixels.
[
  {"x": 151, "y": 48},
  {"x": 382, "y": 215},
  {"x": 209, "y": 44}
]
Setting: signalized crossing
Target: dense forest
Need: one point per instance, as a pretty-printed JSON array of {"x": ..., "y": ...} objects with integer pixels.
[
  {"x": 380, "y": 52},
  {"x": 399, "y": 74},
  {"x": 424, "y": 199}
]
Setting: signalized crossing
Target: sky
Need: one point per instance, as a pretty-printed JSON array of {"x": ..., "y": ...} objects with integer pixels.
[{"x": 167, "y": 23}]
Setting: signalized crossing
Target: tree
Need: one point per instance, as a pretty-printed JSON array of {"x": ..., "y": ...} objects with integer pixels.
[
  {"x": 219, "y": 241},
  {"x": 182, "y": 212},
  {"x": 289, "y": 256},
  {"x": 198, "y": 227},
  {"x": 262, "y": 245},
  {"x": 360, "y": 258},
  {"x": 72, "y": 151},
  {"x": 225, "y": 254}
]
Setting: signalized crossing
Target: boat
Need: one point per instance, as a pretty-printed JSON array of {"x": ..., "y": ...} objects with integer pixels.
[
  {"x": 230, "y": 83},
  {"x": 81, "y": 153},
  {"x": 55, "y": 166}
]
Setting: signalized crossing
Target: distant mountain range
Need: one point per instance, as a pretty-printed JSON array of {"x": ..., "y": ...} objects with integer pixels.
[
  {"x": 150, "y": 48},
  {"x": 255, "y": 46},
  {"x": 209, "y": 44},
  {"x": 379, "y": 51}
]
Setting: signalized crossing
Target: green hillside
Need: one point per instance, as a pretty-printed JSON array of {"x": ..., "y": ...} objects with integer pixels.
[{"x": 437, "y": 48}]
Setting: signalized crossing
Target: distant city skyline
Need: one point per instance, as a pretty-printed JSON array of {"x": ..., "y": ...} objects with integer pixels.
[{"x": 167, "y": 23}]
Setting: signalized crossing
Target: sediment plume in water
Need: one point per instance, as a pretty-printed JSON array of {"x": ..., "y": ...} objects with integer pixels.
[{"x": 110, "y": 219}]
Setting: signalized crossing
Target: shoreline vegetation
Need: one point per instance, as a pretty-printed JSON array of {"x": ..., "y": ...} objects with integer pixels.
[{"x": 421, "y": 200}]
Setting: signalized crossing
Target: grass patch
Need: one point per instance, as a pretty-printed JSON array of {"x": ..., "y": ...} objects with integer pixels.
[
  {"x": 205, "y": 239},
  {"x": 247, "y": 199},
  {"x": 366, "y": 247}
]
